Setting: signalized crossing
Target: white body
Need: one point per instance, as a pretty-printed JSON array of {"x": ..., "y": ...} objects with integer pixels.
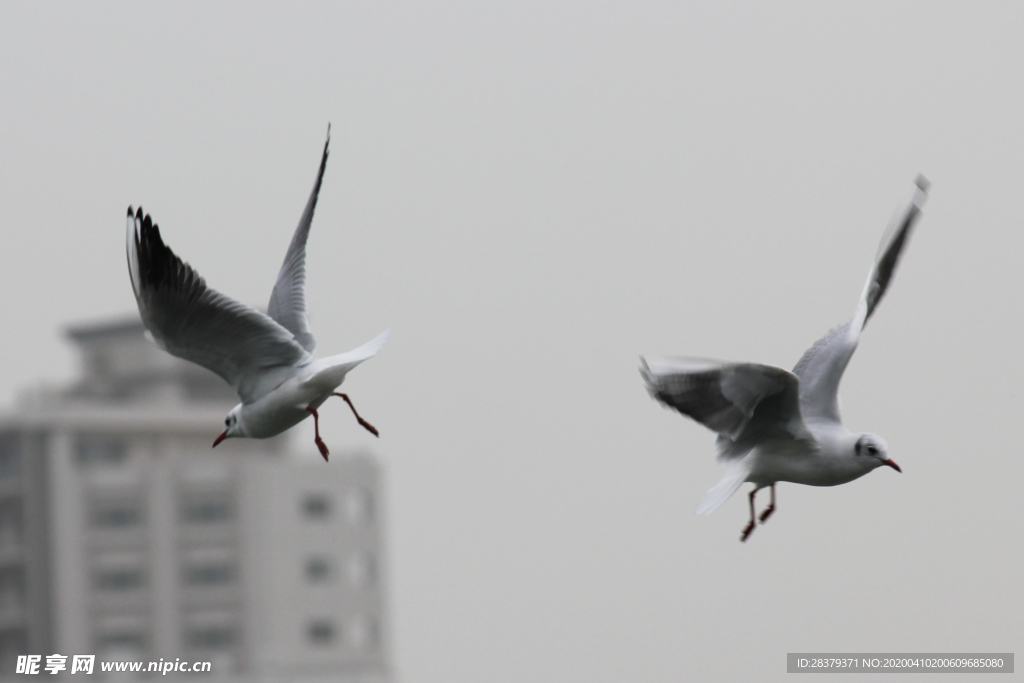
[
  {"x": 827, "y": 465},
  {"x": 309, "y": 385},
  {"x": 266, "y": 358},
  {"x": 775, "y": 425}
]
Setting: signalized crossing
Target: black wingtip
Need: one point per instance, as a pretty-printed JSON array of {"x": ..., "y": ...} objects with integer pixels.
[
  {"x": 158, "y": 266},
  {"x": 130, "y": 211},
  {"x": 922, "y": 183},
  {"x": 149, "y": 229}
]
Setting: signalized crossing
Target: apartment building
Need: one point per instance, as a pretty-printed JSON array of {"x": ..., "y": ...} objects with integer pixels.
[{"x": 124, "y": 535}]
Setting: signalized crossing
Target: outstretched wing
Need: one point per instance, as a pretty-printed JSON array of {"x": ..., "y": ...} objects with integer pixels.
[
  {"x": 745, "y": 403},
  {"x": 197, "y": 323},
  {"x": 821, "y": 367},
  {"x": 288, "y": 300}
]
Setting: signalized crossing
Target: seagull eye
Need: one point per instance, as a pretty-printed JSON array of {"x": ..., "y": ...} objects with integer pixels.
[
  {"x": 872, "y": 450},
  {"x": 227, "y": 422}
]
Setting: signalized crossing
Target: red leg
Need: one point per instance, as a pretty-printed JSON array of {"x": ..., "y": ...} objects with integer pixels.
[
  {"x": 771, "y": 507},
  {"x": 753, "y": 520},
  {"x": 369, "y": 427},
  {"x": 316, "y": 429}
]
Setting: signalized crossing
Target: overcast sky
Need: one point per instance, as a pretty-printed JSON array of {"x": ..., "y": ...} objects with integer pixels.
[{"x": 530, "y": 197}]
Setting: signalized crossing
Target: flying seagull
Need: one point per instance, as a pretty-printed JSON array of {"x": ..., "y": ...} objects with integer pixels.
[
  {"x": 774, "y": 425},
  {"x": 266, "y": 358}
]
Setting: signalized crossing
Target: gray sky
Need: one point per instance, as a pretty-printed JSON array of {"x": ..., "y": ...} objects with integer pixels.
[{"x": 530, "y": 197}]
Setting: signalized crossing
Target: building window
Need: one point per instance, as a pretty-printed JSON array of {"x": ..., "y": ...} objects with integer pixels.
[
  {"x": 219, "y": 637},
  {"x": 95, "y": 450},
  {"x": 119, "y": 579},
  {"x": 11, "y": 524},
  {"x": 12, "y": 588},
  {"x": 362, "y": 570},
  {"x": 13, "y": 642},
  {"x": 10, "y": 456},
  {"x": 321, "y": 632},
  {"x": 359, "y": 506},
  {"x": 365, "y": 633},
  {"x": 316, "y": 506},
  {"x": 120, "y": 641},
  {"x": 114, "y": 516},
  {"x": 209, "y": 574},
  {"x": 317, "y": 569},
  {"x": 207, "y": 510}
]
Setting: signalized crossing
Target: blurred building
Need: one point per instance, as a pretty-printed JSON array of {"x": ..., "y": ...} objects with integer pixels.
[{"x": 123, "y": 534}]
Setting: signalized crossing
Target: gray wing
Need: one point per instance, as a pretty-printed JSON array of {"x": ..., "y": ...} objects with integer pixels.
[
  {"x": 745, "y": 403},
  {"x": 821, "y": 367},
  {"x": 288, "y": 300},
  {"x": 197, "y": 323}
]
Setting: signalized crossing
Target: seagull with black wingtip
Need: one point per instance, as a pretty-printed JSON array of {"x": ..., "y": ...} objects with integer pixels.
[
  {"x": 266, "y": 358},
  {"x": 774, "y": 425}
]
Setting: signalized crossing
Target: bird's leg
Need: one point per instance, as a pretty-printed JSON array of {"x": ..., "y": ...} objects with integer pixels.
[
  {"x": 369, "y": 427},
  {"x": 316, "y": 429},
  {"x": 770, "y": 509},
  {"x": 753, "y": 519}
]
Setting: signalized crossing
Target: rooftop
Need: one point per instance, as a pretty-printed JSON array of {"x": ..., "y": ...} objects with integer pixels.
[{"x": 119, "y": 364}]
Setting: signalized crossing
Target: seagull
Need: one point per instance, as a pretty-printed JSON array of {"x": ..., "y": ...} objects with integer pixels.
[
  {"x": 774, "y": 425},
  {"x": 266, "y": 358}
]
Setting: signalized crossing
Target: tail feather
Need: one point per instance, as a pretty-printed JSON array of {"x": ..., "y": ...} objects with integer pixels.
[
  {"x": 723, "y": 490},
  {"x": 334, "y": 368}
]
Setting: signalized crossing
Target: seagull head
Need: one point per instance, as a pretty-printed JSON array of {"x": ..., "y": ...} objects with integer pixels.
[
  {"x": 873, "y": 446},
  {"x": 232, "y": 425}
]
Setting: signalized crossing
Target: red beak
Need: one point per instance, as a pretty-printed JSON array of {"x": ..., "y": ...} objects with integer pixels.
[
  {"x": 890, "y": 463},
  {"x": 224, "y": 435}
]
